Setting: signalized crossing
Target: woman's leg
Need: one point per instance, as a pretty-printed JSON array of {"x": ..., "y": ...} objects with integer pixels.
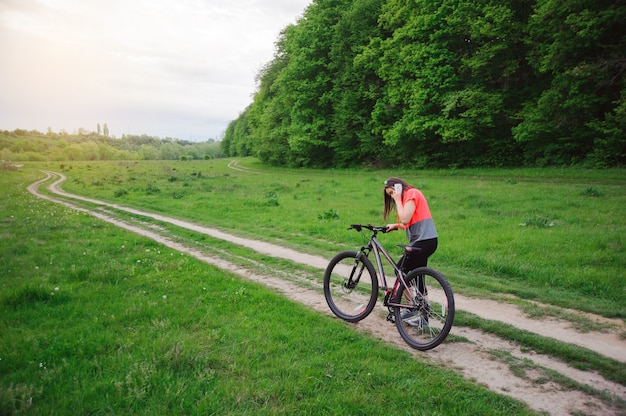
[{"x": 419, "y": 259}]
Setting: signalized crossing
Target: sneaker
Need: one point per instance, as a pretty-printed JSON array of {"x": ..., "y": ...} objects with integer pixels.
[
  {"x": 415, "y": 319},
  {"x": 408, "y": 315},
  {"x": 411, "y": 318}
]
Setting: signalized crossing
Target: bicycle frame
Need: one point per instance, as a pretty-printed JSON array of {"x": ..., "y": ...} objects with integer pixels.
[{"x": 375, "y": 246}]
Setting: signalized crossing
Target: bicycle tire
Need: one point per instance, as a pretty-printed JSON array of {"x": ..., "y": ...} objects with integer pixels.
[
  {"x": 426, "y": 317},
  {"x": 350, "y": 300}
]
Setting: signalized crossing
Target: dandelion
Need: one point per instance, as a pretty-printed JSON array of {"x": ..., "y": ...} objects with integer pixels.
[
  {"x": 147, "y": 250},
  {"x": 164, "y": 297},
  {"x": 56, "y": 289}
]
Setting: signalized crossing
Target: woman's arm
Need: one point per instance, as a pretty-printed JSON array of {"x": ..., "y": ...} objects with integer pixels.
[{"x": 405, "y": 212}]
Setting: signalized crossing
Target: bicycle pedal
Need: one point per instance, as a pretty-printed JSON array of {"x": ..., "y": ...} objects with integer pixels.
[{"x": 391, "y": 318}]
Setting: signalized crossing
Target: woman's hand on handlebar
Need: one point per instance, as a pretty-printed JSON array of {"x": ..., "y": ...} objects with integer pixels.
[{"x": 392, "y": 227}]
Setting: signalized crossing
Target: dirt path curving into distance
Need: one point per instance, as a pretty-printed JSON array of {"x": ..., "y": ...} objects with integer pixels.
[{"x": 473, "y": 359}]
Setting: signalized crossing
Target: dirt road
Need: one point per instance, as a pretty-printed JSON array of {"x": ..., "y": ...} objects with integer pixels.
[{"x": 474, "y": 360}]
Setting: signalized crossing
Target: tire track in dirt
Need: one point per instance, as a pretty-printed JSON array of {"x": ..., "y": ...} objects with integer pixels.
[{"x": 473, "y": 359}]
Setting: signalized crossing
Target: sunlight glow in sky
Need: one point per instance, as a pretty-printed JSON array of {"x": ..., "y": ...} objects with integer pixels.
[{"x": 167, "y": 68}]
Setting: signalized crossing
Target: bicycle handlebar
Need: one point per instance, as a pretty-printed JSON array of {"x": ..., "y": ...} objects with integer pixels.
[{"x": 374, "y": 228}]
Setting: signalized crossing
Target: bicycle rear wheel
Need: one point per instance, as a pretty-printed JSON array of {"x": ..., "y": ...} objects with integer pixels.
[
  {"x": 350, "y": 286},
  {"x": 427, "y": 312}
]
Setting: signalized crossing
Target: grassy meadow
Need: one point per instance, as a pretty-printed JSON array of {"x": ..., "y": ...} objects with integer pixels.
[
  {"x": 520, "y": 231},
  {"x": 97, "y": 320}
]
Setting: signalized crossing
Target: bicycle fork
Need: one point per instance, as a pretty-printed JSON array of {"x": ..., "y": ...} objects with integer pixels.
[{"x": 357, "y": 270}]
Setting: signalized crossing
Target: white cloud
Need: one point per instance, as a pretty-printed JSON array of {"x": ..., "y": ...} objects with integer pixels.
[{"x": 169, "y": 68}]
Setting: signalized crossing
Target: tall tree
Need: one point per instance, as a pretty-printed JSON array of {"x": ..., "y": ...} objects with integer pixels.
[
  {"x": 449, "y": 68},
  {"x": 578, "y": 49},
  {"x": 308, "y": 82},
  {"x": 356, "y": 86},
  {"x": 270, "y": 113}
]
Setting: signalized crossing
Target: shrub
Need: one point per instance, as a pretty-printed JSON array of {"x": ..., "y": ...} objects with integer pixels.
[
  {"x": 152, "y": 189},
  {"x": 331, "y": 214},
  {"x": 120, "y": 192},
  {"x": 538, "y": 221},
  {"x": 272, "y": 200},
  {"x": 592, "y": 192}
]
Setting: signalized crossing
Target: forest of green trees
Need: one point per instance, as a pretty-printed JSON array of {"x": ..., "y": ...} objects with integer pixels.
[
  {"x": 23, "y": 145},
  {"x": 442, "y": 83}
]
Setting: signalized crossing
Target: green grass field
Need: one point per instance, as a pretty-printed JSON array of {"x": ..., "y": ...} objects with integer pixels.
[
  {"x": 519, "y": 232},
  {"x": 97, "y": 320}
]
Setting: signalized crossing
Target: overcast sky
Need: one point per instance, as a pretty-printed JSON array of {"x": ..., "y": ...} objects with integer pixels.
[{"x": 167, "y": 68}]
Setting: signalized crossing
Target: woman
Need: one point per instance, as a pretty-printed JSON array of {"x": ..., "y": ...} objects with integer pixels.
[{"x": 414, "y": 216}]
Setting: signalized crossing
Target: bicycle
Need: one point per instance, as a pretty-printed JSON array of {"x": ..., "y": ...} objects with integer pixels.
[{"x": 421, "y": 303}]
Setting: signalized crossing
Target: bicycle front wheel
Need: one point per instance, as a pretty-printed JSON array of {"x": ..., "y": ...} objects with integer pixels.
[
  {"x": 350, "y": 286},
  {"x": 424, "y": 310}
]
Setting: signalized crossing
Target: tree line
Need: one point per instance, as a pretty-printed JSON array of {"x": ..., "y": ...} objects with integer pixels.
[
  {"x": 442, "y": 83},
  {"x": 23, "y": 145}
]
